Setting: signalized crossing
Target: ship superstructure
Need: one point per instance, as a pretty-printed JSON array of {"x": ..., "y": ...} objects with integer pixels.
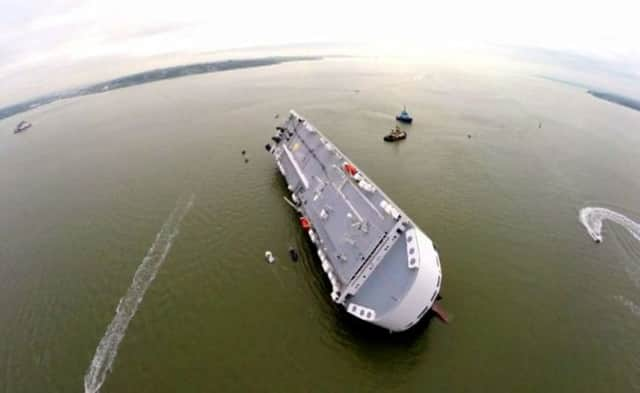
[{"x": 383, "y": 269}]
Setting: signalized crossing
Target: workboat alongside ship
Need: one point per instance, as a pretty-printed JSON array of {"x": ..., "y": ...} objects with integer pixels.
[{"x": 383, "y": 269}]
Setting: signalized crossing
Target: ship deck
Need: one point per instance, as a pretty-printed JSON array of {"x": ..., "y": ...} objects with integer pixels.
[{"x": 348, "y": 217}]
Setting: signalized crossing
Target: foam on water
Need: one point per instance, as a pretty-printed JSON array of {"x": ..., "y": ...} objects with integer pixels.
[
  {"x": 634, "y": 308},
  {"x": 592, "y": 218},
  {"x": 128, "y": 305}
]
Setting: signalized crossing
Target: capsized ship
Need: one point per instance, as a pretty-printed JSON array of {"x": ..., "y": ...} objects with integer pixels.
[{"x": 383, "y": 269}]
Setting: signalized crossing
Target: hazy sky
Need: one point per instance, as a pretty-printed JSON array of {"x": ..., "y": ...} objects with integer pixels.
[{"x": 37, "y": 33}]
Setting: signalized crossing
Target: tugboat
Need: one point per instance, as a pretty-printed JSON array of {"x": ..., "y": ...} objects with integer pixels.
[
  {"x": 395, "y": 135},
  {"x": 22, "y": 126},
  {"x": 404, "y": 116}
]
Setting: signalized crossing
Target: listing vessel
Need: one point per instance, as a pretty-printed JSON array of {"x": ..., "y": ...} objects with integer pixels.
[
  {"x": 396, "y": 134},
  {"x": 22, "y": 126},
  {"x": 404, "y": 116},
  {"x": 383, "y": 269}
]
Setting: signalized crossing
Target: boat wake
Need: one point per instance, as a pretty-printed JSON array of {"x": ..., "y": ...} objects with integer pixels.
[
  {"x": 128, "y": 305},
  {"x": 592, "y": 218},
  {"x": 634, "y": 308}
]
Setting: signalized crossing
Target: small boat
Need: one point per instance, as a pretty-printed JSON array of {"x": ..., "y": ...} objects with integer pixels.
[
  {"x": 293, "y": 254},
  {"x": 268, "y": 256},
  {"x": 395, "y": 135},
  {"x": 404, "y": 116},
  {"x": 22, "y": 126}
]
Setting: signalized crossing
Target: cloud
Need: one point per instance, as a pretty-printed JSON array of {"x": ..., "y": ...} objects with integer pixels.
[{"x": 35, "y": 34}]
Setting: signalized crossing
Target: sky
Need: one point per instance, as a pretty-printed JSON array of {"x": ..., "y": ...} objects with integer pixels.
[{"x": 40, "y": 39}]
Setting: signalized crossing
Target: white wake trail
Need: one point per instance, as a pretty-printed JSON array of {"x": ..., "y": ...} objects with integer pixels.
[
  {"x": 592, "y": 218},
  {"x": 634, "y": 308},
  {"x": 144, "y": 275}
]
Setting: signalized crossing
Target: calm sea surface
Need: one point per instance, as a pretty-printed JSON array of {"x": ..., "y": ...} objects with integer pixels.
[{"x": 97, "y": 181}]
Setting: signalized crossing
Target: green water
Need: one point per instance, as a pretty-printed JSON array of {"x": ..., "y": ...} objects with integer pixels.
[{"x": 535, "y": 305}]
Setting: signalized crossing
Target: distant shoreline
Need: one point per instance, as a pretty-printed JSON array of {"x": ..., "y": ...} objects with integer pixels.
[
  {"x": 149, "y": 77},
  {"x": 611, "y": 97},
  {"x": 564, "y": 81},
  {"x": 616, "y": 99}
]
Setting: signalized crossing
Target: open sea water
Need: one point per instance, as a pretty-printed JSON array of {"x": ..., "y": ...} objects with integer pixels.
[{"x": 132, "y": 235}]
